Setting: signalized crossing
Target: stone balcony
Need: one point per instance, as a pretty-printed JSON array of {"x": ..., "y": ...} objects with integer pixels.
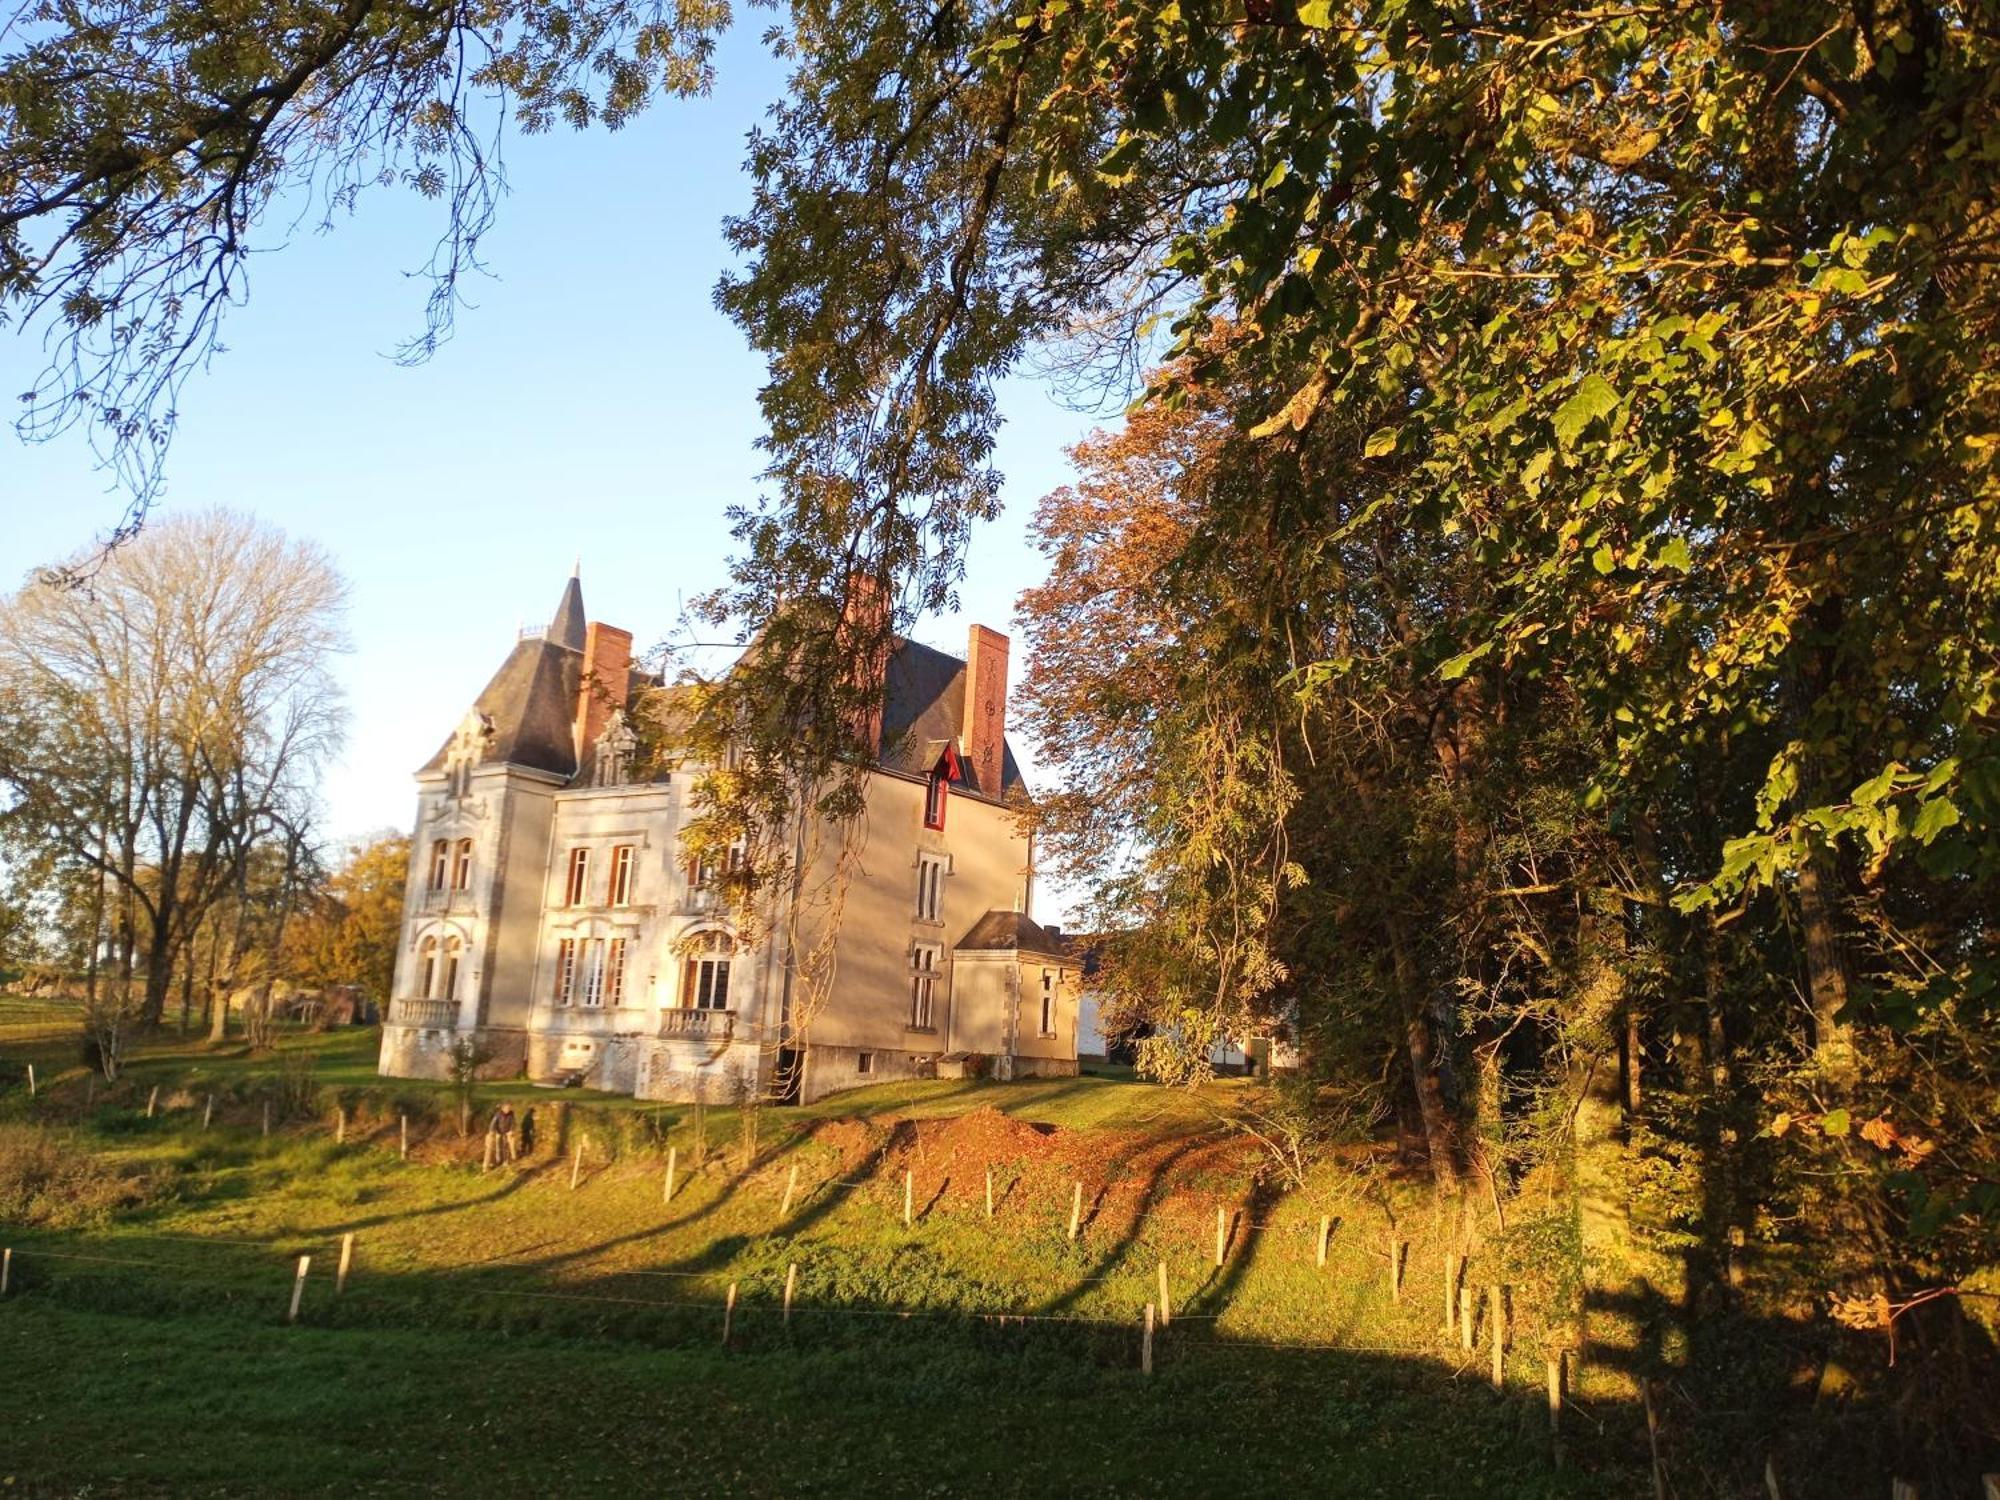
[
  {"x": 431, "y": 1015},
  {"x": 698, "y": 1025}
]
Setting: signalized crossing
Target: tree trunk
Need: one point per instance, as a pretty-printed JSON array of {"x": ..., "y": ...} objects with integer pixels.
[
  {"x": 1826, "y": 965},
  {"x": 1423, "y": 1067},
  {"x": 1611, "y": 1315}
]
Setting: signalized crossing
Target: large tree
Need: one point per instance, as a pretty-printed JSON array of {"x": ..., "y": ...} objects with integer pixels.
[{"x": 162, "y": 727}]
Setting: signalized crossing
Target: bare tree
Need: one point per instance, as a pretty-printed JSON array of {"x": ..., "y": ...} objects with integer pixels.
[{"x": 160, "y": 727}]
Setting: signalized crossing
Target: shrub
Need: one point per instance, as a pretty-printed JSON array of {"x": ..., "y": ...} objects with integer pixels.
[{"x": 47, "y": 1180}]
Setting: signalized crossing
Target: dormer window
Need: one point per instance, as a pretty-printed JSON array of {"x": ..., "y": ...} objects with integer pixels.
[{"x": 938, "y": 794}]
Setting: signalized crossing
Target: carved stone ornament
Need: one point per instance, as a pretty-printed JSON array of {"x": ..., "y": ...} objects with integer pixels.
[{"x": 612, "y": 762}]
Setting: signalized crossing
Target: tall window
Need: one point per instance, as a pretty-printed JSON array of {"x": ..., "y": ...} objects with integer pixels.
[
  {"x": 565, "y": 970},
  {"x": 578, "y": 884},
  {"x": 935, "y": 797},
  {"x": 461, "y": 865},
  {"x": 593, "y": 973},
  {"x": 923, "y": 986},
  {"x": 703, "y": 871},
  {"x": 614, "y": 973},
  {"x": 705, "y": 980},
  {"x": 440, "y": 863},
  {"x": 429, "y": 956},
  {"x": 621, "y": 875},
  {"x": 454, "y": 949},
  {"x": 930, "y": 887},
  {"x": 1048, "y": 1003}
]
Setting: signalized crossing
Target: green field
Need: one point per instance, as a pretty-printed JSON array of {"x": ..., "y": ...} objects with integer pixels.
[{"x": 503, "y": 1329}]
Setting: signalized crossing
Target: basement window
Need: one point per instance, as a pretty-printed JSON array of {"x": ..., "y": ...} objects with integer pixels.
[{"x": 864, "y": 1062}]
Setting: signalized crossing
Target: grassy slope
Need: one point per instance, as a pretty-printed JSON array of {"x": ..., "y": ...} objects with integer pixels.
[{"x": 574, "y": 1334}]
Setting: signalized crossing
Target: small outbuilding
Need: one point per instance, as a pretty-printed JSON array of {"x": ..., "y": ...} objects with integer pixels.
[{"x": 1015, "y": 992}]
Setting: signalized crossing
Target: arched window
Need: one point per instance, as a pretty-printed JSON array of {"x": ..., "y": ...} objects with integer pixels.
[
  {"x": 705, "y": 977},
  {"x": 454, "y": 949},
  {"x": 461, "y": 865},
  {"x": 440, "y": 863},
  {"x": 428, "y": 954}
]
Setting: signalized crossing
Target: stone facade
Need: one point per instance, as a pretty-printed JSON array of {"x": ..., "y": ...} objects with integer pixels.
[{"x": 553, "y": 927}]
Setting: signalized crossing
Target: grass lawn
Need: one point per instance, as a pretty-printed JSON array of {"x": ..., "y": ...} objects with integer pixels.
[{"x": 506, "y": 1328}]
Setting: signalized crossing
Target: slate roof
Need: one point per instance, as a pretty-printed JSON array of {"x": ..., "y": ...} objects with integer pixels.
[
  {"x": 531, "y": 701},
  {"x": 923, "y": 709},
  {"x": 566, "y": 627},
  {"x": 1000, "y": 931}
]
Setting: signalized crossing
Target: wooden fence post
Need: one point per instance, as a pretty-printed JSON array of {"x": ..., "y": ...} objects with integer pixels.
[
  {"x": 1653, "y": 1438},
  {"x": 403, "y": 1144},
  {"x": 909, "y": 1197},
  {"x": 486, "y": 1164},
  {"x": 299, "y": 1287},
  {"x": 1221, "y": 1232},
  {"x": 1466, "y": 1317},
  {"x": 267, "y": 1117},
  {"x": 1395, "y": 1269},
  {"x": 1556, "y": 1404},
  {"x": 340, "y": 1125},
  {"x": 576, "y": 1161},
  {"x": 791, "y": 1187},
  {"x": 6, "y": 1268},
  {"x": 673, "y": 1160},
  {"x": 728, "y": 1314},
  {"x": 1166, "y": 1304},
  {"x": 1450, "y": 1291},
  {"x": 31, "y": 1080},
  {"x": 346, "y": 1264},
  {"x": 208, "y": 1113},
  {"x": 791, "y": 1286},
  {"x": 152, "y": 1101},
  {"x": 989, "y": 1192},
  {"x": 1325, "y": 1234},
  {"x": 1146, "y": 1344},
  {"x": 1075, "y": 1210},
  {"x": 1496, "y": 1317}
]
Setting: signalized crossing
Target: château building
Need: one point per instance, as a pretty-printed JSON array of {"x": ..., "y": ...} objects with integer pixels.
[{"x": 553, "y": 926}]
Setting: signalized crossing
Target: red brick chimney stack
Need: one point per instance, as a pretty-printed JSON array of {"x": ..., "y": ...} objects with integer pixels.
[
  {"x": 606, "y": 679},
  {"x": 985, "y": 731},
  {"x": 867, "y": 640}
]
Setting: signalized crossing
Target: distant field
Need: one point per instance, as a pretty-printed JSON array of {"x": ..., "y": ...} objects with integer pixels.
[{"x": 503, "y": 1330}]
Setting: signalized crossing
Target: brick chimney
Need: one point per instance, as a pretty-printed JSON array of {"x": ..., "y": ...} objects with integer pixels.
[
  {"x": 867, "y": 637},
  {"x": 984, "y": 731},
  {"x": 606, "y": 678}
]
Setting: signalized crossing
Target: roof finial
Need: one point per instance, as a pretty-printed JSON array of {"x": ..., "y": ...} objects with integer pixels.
[{"x": 576, "y": 568}]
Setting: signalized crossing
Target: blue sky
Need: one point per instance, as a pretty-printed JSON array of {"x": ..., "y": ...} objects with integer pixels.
[{"x": 593, "y": 405}]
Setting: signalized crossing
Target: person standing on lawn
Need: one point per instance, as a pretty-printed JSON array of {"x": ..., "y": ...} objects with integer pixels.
[{"x": 503, "y": 1126}]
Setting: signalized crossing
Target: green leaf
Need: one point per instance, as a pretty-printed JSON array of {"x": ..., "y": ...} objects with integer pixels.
[
  {"x": 1381, "y": 442},
  {"x": 1674, "y": 554},
  {"x": 1604, "y": 559},
  {"x": 1123, "y": 158},
  {"x": 1592, "y": 398},
  {"x": 1460, "y": 664},
  {"x": 1836, "y": 1122},
  {"x": 1934, "y": 818},
  {"x": 1318, "y": 14}
]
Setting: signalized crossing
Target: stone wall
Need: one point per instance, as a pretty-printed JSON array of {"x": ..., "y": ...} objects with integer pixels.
[
  {"x": 831, "y": 1069},
  {"x": 426, "y": 1052}
]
